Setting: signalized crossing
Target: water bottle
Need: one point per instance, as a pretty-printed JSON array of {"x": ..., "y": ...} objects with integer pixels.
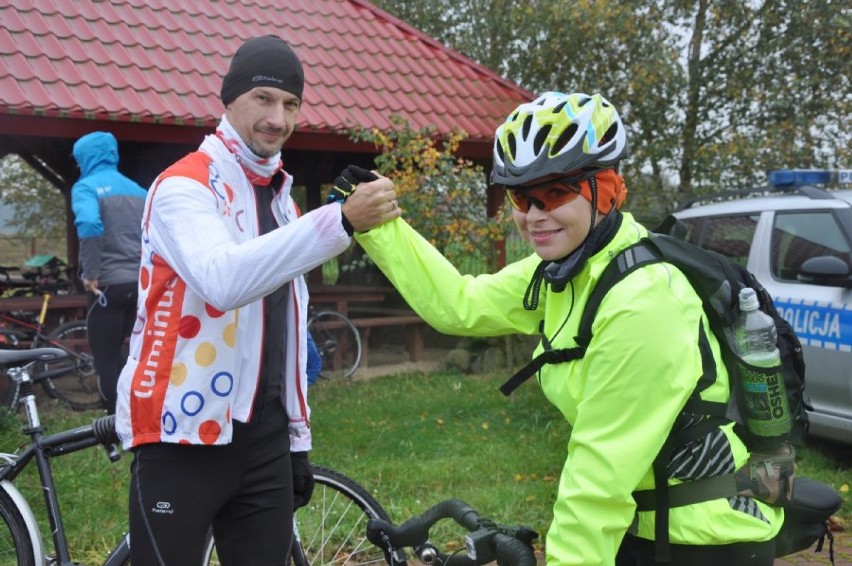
[{"x": 767, "y": 412}]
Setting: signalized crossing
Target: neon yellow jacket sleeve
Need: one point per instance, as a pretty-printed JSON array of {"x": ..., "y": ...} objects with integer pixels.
[{"x": 486, "y": 305}]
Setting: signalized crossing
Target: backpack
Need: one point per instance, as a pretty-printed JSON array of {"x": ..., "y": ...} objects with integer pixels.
[{"x": 770, "y": 474}]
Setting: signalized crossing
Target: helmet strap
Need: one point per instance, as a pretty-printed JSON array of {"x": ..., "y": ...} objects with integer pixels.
[
  {"x": 559, "y": 273},
  {"x": 593, "y": 188}
]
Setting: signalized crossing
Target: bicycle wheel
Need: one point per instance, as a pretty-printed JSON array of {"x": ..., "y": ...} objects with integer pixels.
[
  {"x": 72, "y": 379},
  {"x": 332, "y": 528},
  {"x": 338, "y": 342},
  {"x": 15, "y": 544},
  {"x": 210, "y": 556}
]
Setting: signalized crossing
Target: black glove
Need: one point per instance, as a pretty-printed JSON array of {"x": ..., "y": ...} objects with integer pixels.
[
  {"x": 303, "y": 479},
  {"x": 344, "y": 184}
]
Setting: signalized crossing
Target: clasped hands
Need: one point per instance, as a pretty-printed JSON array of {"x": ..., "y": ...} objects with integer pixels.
[{"x": 372, "y": 204}]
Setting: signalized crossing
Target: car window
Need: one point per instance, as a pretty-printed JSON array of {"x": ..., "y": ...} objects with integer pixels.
[
  {"x": 728, "y": 235},
  {"x": 797, "y": 236}
]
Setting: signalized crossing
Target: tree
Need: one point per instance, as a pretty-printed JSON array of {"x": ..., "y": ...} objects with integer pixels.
[
  {"x": 766, "y": 82},
  {"x": 442, "y": 194},
  {"x": 38, "y": 209},
  {"x": 714, "y": 93}
]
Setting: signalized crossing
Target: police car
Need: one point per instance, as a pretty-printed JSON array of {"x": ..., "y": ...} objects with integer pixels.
[{"x": 796, "y": 239}]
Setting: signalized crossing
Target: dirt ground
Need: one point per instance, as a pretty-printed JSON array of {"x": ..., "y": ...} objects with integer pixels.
[
  {"x": 391, "y": 360},
  {"x": 842, "y": 554}
]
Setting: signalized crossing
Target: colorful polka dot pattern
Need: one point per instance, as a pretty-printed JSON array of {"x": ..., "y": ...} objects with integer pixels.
[{"x": 205, "y": 344}]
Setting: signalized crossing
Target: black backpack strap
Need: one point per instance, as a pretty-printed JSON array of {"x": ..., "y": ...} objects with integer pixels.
[
  {"x": 626, "y": 262},
  {"x": 532, "y": 368},
  {"x": 663, "y": 497},
  {"x": 697, "y": 491},
  {"x": 695, "y": 404}
]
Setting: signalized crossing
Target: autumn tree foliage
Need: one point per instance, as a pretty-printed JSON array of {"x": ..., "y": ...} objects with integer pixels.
[{"x": 442, "y": 195}]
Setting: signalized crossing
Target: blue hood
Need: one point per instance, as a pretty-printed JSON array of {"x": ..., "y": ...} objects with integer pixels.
[{"x": 94, "y": 151}]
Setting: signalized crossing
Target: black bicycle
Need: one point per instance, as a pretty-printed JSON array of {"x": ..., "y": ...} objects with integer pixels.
[
  {"x": 338, "y": 342},
  {"x": 71, "y": 379},
  {"x": 485, "y": 542},
  {"x": 331, "y": 529}
]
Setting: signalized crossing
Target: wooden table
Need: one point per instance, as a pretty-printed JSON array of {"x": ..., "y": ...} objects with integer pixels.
[
  {"x": 341, "y": 295},
  {"x": 367, "y": 317}
]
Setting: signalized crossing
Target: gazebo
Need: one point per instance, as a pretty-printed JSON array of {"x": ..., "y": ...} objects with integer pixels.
[{"x": 150, "y": 72}]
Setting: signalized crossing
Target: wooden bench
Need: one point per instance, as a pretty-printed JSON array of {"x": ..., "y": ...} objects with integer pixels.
[
  {"x": 413, "y": 333},
  {"x": 365, "y": 319}
]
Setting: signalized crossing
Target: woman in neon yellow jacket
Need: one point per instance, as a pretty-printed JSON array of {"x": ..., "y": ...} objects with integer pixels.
[{"x": 557, "y": 158}]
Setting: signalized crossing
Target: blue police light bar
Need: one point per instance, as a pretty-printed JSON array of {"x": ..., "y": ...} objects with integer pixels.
[{"x": 800, "y": 177}]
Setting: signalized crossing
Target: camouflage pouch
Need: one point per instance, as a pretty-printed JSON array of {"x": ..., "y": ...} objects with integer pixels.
[{"x": 769, "y": 477}]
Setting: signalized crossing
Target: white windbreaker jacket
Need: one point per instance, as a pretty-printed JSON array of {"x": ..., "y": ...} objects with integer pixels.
[{"x": 195, "y": 351}]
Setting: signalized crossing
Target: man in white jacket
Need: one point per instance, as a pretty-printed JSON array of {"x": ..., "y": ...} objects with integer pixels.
[{"x": 216, "y": 379}]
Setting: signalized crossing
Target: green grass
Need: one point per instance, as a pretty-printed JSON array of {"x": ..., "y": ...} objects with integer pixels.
[
  {"x": 92, "y": 491},
  {"x": 412, "y": 440},
  {"x": 417, "y": 439}
]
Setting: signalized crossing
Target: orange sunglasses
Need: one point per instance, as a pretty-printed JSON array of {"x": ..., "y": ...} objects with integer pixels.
[{"x": 545, "y": 198}]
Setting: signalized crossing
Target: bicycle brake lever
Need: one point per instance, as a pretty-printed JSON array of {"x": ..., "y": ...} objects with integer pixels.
[{"x": 113, "y": 453}]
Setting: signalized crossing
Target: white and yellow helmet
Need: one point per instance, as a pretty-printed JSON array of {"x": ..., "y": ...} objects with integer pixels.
[{"x": 556, "y": 135}]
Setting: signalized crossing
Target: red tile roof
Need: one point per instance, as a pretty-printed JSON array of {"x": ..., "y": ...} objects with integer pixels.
[{"x": 161, "y": 62}]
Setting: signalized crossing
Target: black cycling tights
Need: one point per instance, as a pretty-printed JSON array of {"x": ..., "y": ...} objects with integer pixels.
[
  {"x": 636, "y": 551},
  {"x": 243, "y": 489},
  {"x": 109, "y": 322}
]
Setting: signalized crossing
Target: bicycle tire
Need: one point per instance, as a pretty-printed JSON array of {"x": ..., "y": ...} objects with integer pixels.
[
  {"x": 210, "y": 556},
  {"x": 15, "y": 543},
  {"x": 77, "y": 385},
  {"x": 338, "y": 342},
  {"x": 332, "y": 527}
]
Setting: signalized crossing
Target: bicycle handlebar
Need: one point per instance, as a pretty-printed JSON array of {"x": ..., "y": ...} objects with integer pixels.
[
  {"x": 487, "y": 541},
  {"x": 101, "y": 431}
]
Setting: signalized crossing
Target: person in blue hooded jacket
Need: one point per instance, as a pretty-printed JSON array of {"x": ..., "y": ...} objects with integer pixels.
[{"x": 107, "y": 209}]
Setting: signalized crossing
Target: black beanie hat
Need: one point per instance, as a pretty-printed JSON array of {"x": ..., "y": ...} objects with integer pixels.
[{"x": 263, "y": 61}]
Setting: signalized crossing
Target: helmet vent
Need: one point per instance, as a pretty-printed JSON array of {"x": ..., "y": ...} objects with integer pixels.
[
  {"x": 563, "y": 139},
  {"x": 539, "y": 139},
  {"x": 513, "y": 117},
  {"x": 500, "y": 153},
  {"x": 558, "y": 108},
  {"x": 512, "y": 146},
  {"x": 583, "y": 101},
  {"x": 527, "y": 125},
  {"x": 609, "y": 135}
]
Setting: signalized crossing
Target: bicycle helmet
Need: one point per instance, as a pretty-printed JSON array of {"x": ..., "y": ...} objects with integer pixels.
[{"x": 557, "y": 134}]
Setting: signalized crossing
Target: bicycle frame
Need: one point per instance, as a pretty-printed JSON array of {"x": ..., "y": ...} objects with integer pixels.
[
  {"x": 41, "y": 449},
  {"x": 37, "y": 329},
  {"x": 40, "y": 339},
  {"x": 343, "y": 506}
]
